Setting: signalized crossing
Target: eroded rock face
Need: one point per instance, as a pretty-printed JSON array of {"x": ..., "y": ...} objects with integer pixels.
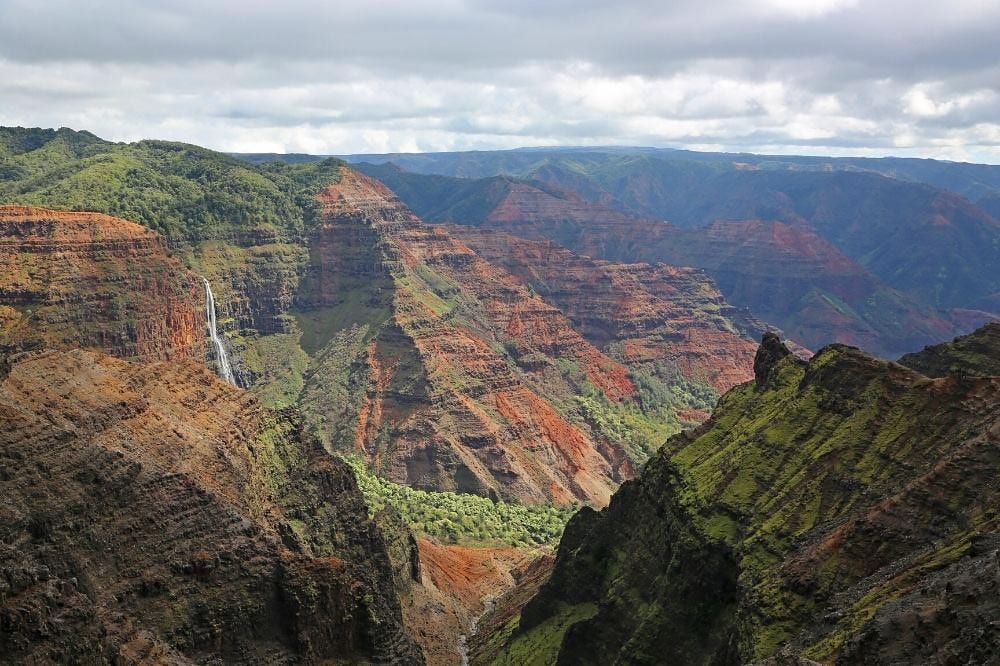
[
  {"x": 90, "y": 280},
  {"x": 456, "y": 361},
  {"x": 801, "y": 275},
  {"x": 640, "y": 314},
  {"x": 835, "y": 513},
  {"x": 154, "y": 513}
]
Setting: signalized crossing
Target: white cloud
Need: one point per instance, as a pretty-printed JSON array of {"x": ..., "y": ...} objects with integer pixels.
[
  {"x": 826, "y": 76},
  {"x": 807, "y": 9}
]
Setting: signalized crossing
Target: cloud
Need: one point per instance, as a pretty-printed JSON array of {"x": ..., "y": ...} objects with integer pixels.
[{"x": 832, "y": 76}]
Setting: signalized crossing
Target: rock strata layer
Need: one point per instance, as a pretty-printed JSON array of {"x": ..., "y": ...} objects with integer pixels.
[
  {"x": 90, "y": 280},
  {"x": 153, "y": 513},
  {"x": 457, "y": 362}
]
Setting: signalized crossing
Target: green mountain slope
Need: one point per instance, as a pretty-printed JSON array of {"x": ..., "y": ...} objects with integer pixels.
[
  {"x": 841, "y": 510},
  {"x": 974, "y": 355}
]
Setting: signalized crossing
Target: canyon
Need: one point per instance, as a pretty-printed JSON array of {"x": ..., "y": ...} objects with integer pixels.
[
  {"x": 827, "y": 257},
  {"x": 544, "y": 347},
  {"x": 397, "y": 341}
]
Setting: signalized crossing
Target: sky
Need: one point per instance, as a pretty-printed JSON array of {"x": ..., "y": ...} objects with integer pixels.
[{"x": 830, "y": 77}]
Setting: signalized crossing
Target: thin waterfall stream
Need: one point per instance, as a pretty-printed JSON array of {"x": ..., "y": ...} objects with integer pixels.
[
  {"x": 489, "y": 604},
  {"x": 224, "y": 368}
]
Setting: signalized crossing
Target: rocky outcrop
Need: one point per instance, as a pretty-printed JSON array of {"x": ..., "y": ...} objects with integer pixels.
[
  {"x": 834, "y": 514},
  {"x": 671, "y": 319},
  {"x": 90, "y": 280},
  {"x": 441, "y": 361},
  {"x": 770, "y": 353},
  {"x": 153, "y": 513}
]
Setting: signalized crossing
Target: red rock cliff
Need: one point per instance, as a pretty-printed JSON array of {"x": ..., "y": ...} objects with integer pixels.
[
  {"x": 645, "y": 313},
  {"x": 86, "y": 279}
]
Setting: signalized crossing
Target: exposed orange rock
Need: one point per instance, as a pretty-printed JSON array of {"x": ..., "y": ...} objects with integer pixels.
[
  {"x": 86, "y": 279},
  {"x": 461, "y": 356},
  {"x": 641, "y": 312},
  {"x": 470, "y": 574},
  {"x": 458, "y": 584},
  {"x": 528, "y": 204}
]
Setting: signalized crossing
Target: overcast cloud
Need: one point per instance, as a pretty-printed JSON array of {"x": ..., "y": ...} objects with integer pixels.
[{"x": 844, "y": 77}]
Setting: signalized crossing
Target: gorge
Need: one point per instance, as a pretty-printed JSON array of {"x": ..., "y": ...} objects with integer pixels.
[{"x": 314, "y": 425}]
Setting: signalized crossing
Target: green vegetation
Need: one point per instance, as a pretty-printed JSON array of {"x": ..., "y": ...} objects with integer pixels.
[
  {"x": 462, "y": 518},
  {"x": 644, "y": 424},
  {"x": 183, "y": 191},
  {"x": 539, "y": 646},
  {"x": 972, "y": 355},
  {"x": 279, "y": 364}
]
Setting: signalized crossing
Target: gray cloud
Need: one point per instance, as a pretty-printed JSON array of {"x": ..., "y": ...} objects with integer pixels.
[{"x": 835, "y": 76}]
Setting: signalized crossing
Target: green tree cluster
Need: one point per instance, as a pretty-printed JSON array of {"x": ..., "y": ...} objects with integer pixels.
[{"x": 463, "y": 518}]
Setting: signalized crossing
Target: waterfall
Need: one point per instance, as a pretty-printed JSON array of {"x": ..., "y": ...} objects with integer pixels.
[
  {"x": 489, "y": 604},
  {"x": 225, "y": 370}
]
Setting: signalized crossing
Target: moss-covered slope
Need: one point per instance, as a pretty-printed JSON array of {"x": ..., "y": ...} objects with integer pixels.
[
  {"x": 842, "y": 510},
  {"x": 976, "y": 355}
]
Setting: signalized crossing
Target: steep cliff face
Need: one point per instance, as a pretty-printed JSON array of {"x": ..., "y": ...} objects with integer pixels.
[
  {"x": 439, "y": 361},
  {"x": 240, "y": 227},
  {"x": 90, "y": 280},
  {"x": 155, "y": 513},
  {"x": 669, "y": 319},
  {"x": 840, "y": 510}
]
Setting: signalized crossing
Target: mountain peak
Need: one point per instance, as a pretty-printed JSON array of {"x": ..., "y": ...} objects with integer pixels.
[{"x": 770, "y": 352}]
